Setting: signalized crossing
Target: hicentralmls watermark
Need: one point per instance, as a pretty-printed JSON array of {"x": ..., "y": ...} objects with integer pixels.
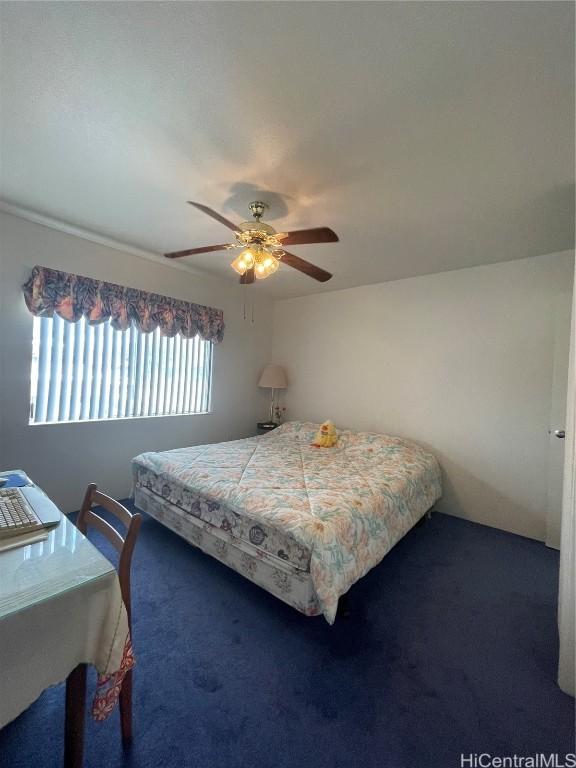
[{"x": 538, "y": 760}]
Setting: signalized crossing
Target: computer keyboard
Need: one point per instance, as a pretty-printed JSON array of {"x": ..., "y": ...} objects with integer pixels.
[{"x": 16, "y": 514}]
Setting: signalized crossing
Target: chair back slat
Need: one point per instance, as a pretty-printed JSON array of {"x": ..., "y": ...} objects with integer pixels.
[
  {"x": 112, "y": 506},
  {"x": 91, "y": 518}
]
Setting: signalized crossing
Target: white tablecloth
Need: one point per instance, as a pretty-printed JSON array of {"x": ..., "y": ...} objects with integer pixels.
[{"x": 60, "y": 606}]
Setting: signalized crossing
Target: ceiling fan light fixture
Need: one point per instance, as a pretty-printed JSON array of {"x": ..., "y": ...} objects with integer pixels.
[{"x": 262, "y": 260}]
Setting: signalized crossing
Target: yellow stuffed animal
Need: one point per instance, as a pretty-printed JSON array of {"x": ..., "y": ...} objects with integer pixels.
[{"x": 326, "y": 437}]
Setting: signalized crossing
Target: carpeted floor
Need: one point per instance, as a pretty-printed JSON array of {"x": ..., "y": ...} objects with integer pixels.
[{"x": 451, "y": 647}]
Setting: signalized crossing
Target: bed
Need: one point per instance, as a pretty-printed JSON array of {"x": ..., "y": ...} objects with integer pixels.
[{"x": 304, "y": 523}]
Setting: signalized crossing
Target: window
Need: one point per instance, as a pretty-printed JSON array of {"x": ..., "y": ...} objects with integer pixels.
[{"x": 82, "y": 372}]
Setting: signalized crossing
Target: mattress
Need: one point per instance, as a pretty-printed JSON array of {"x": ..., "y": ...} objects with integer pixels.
[{"x": 334, "y": 512}]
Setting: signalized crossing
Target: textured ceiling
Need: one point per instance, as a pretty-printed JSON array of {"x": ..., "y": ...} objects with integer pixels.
[{"x": 430, "y": 136}]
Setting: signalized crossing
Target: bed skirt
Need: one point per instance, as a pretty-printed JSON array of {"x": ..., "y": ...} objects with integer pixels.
[{"x": 280, "y": 578}]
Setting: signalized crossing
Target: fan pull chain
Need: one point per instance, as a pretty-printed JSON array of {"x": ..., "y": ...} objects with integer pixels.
[{"x": 250, "y": 305}]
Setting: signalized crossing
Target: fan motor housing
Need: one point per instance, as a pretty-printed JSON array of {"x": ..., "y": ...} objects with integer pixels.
[{"x": 259, "y": 229}]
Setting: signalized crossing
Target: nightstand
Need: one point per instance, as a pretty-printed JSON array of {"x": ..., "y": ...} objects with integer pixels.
[{"x": 266, "y": 426}]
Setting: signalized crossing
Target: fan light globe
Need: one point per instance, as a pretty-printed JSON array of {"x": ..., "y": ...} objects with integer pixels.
[
  {"x": 238, "y": 265},
  {"x": 243, "y": 262},
  {"x": 265, "y": 263},
  {"x": 248, "y": 258},
  {"x": 272, "y": 267}
]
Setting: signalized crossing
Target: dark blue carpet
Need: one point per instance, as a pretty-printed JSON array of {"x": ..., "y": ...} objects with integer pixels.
[{"x": 451, "y": 647}]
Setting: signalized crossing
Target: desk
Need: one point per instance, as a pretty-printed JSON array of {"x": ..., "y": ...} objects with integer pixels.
[{"x": 60, "y": 608}]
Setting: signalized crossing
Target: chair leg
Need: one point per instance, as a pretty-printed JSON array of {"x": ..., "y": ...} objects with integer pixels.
[
  {"x": 75, "y": 716},
  {"x": 126, "y": 708}
]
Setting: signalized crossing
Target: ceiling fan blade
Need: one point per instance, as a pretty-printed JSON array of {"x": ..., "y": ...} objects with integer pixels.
[
  {"x": 306, "y": 236},
  {"x": 304, "y": 266},
  {"x": 248, "y": 277},
  {"x": 214, "y": 215},
  {"x": 192, "y": 251}
]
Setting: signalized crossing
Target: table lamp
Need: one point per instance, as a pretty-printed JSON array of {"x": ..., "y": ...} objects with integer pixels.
[{"x": 273, "y": 377}]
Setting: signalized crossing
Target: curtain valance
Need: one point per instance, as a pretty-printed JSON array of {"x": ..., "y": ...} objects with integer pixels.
[{"x": 72, "y": 297}]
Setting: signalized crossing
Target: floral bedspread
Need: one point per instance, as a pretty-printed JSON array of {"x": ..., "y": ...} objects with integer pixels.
[
  {"x": 270, "y": 541},
  {"x": 347, "y": 505}
]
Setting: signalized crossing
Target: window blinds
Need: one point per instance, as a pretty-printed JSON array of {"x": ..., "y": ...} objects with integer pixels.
[{"x": 82, "y": 372}]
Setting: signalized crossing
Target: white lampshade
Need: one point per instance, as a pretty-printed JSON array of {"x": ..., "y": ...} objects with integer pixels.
[{"x": 273, "y": 376}]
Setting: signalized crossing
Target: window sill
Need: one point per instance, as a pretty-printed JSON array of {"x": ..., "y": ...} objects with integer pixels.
[{"x": 120, "y": 418}]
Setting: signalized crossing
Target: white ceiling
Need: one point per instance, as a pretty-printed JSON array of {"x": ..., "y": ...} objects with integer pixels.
[{"x": 430, "y": 136}]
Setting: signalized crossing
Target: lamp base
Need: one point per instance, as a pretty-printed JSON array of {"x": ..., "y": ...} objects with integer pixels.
[{"x": 271, "y": 421}]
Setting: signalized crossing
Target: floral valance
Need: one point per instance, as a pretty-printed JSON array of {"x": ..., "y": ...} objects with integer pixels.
[{"x": 72, "y": 297}]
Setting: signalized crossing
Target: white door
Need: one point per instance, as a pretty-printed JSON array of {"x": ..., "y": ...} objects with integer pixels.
[
  {"x": 566, "y": 597},
  {"x": 557, "y": 422}
]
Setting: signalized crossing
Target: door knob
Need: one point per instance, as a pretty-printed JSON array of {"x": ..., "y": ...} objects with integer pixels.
[{"x": 560, "y": 433}]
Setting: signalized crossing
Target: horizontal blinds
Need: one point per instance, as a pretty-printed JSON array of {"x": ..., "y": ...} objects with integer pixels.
[{"x": 82, "y": 372}]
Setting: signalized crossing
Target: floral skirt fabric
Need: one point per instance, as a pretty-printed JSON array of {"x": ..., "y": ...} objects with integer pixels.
[{"x": 279, "y": 577}]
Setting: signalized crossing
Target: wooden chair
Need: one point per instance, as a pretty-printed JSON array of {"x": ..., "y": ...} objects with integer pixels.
[{"x": 125, "y": 547}]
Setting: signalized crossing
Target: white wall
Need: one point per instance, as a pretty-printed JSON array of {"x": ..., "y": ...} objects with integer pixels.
[
  {"x": 63, "y": 458},
  {"x": 461, "y": 362}
]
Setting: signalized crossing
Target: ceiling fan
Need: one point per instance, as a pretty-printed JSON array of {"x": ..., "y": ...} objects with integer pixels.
[{"x": 263, "y": 247}]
